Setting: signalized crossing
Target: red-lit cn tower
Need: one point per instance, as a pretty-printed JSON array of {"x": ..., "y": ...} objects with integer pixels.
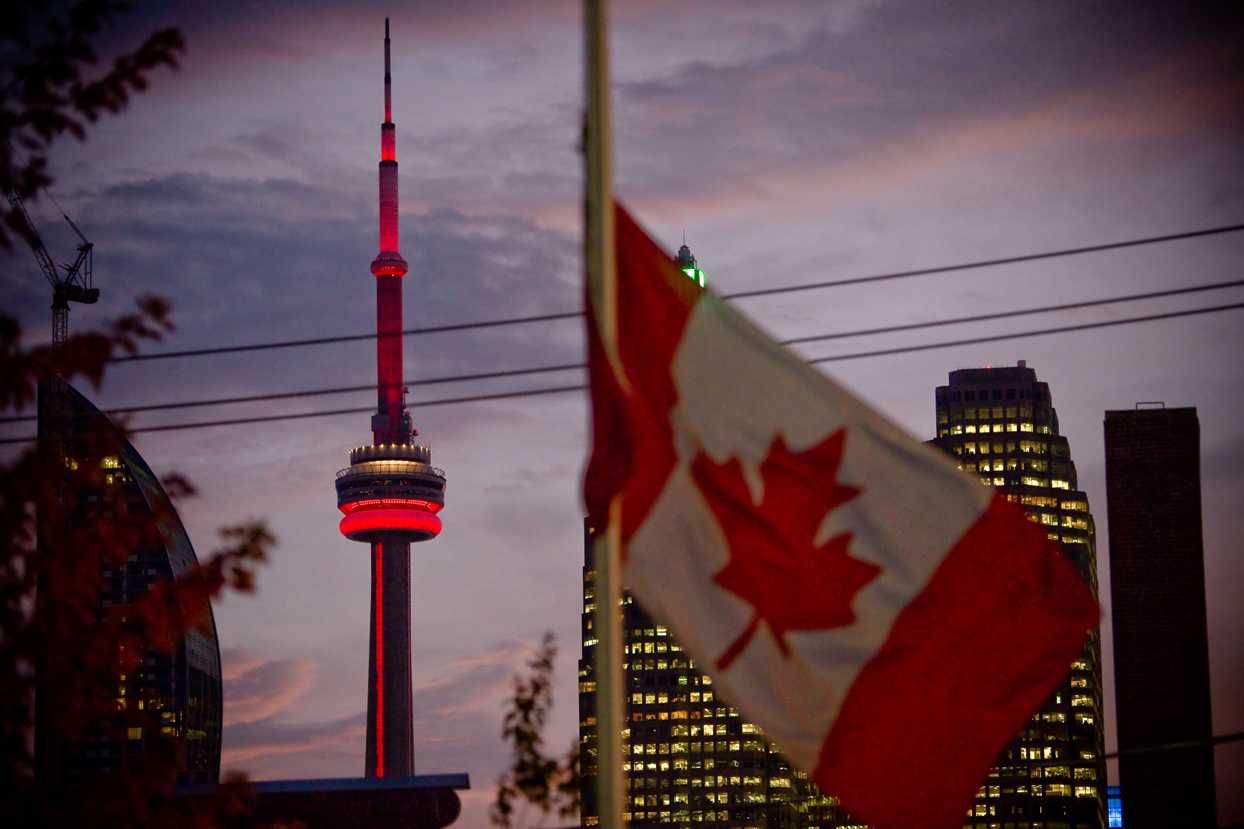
[{"x": 390, "y": 494}]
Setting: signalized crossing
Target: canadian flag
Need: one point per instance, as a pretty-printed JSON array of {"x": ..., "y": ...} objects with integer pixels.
[{"x": 887, "y": 620}]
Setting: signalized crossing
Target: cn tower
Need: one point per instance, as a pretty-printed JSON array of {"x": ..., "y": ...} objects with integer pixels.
[{"x": 391, "y": 493}]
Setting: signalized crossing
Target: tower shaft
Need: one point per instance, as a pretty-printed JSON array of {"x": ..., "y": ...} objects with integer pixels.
[{"x": 390, "y": 728}]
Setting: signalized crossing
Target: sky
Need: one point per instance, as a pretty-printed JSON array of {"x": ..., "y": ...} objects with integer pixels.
[{"x": 792, "y": 142}]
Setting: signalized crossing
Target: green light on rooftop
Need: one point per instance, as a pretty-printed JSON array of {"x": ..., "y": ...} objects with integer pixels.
[{"x": 696, "y": 274}]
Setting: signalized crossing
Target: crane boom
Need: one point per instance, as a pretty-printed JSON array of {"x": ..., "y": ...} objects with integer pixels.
[
  {"x": 36, "y": 243},
  {"x": 74, "y": 287}
]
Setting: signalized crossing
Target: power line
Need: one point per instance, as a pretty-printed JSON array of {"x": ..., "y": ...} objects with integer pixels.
[
  {"x": 581, "y": 387},
  {"x": 409, "y": 332},
  {"x": 1212, "y": 741},
  {"x": 446, "y": 401},
  {"x": 1038, "y": 333},
  {"x": 986, "y": 263},
  {"x": 258, "y": 398},
  {"x": 570, "y": 366},
  {"x": 1005, "y": 314},
  {"x": 468, "y": 326}
]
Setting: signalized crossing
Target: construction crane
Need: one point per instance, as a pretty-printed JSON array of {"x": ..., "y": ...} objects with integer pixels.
[{"x": 74, "y": 286}]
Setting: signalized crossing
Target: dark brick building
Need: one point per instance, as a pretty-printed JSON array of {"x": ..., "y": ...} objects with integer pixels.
[{"x": 1157, "y": 579}]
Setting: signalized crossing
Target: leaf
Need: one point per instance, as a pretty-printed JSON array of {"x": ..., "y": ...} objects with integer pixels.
[{"x": 775, "y": 566}]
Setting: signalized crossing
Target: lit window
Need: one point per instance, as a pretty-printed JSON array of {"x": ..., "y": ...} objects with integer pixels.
[
  {"x": 1012, "y": 427},
  {"x": 1086, "y": 773},
  {"x": 587, "y": 687},
  {"x": 1057, "y": 484},
  {"x": 970, "y": 414},
  {"x": 1010, "y": 411},
  {"x": 1083, "y": 718},
  {"x": 999, "y": 481},
  {"x": 1025, "y": 427},
  {"x": 956, "y": 430},
  {"x": 1086, "y": 791},
  {"x": 971, "y": 430}
]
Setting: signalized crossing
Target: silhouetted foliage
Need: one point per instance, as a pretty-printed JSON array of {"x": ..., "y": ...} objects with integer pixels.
[
  {"x": 46, "y": 49},
  {"x": 57, "y": 543},
  {"x": 541, "y": 781}
]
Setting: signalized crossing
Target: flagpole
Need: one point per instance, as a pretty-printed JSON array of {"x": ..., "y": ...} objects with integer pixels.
[{"x": 602, "y": 293}]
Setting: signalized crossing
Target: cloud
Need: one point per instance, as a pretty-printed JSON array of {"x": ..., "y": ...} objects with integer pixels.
[
  {"x": 457, "y": 723},
  {"x": 908, "y": 77},
  {"x": 256, "y": 688},
  {"x": 261, "y": 746}
]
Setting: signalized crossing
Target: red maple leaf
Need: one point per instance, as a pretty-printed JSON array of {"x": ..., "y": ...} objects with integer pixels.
[{"x": 774, "y": 564}]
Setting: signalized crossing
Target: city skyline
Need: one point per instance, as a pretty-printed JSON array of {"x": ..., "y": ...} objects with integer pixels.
[{"x": 795, "y": 143}]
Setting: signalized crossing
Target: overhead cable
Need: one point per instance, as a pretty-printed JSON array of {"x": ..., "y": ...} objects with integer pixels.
[
  {"x": 570, "y": 366},
  {"x": 468, "y": 326},
  {"x": 1006, "y": 314},
  {"x": 987, "y": 263},
  {"x": 580, "y": 387},
  {"x": 1020, "y": 334}
]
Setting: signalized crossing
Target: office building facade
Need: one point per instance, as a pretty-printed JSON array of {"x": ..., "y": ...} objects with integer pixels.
[
  {"x": 1157, "y": 590},
  {"x": 178, "y": 693},
  {"x": 689, "y": 757},
  {"x": 1000, "y": 424}
]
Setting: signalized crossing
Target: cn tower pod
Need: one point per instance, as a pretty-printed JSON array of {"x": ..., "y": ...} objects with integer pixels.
[{"x": 391, "y": 489}]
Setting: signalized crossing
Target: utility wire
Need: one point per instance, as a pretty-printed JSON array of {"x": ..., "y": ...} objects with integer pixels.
[
  {"x": 987, "y": 263},
  {"x": 1038, "y": 333},
  {"x": 437, "y": 329},
  {"x": 581, "y": 387},
  {"x": 570, "y": 366},
  {"x": 467, "y": 326},
  {"x": 1006, "y": 314},
  {"x": 1212, "y": 741},
  {"x": 257, "y": 398}
]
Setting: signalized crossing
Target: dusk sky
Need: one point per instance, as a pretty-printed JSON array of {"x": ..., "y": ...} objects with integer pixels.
[{"x": 793, "y": 142}]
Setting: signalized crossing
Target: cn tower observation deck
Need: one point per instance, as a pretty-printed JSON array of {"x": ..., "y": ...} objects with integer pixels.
[{"x": 391, "y": 493}]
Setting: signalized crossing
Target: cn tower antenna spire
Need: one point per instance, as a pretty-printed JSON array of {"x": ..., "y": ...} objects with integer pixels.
[
  {"x": 391, "y": 493},
  {"x": 388, "y": 94}
]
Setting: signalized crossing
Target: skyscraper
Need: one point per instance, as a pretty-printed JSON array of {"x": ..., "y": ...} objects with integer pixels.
[
  {"x": 179, "y": 694},
  {"x": 390, "y": 493},
  {"x": 1157, "y": 590},
  {"x": 690, "y": 757},
  {"x": 1000, "y": 424}
]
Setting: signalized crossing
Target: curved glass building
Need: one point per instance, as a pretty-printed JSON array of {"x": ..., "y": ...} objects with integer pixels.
[{"x": 179, "y": 692}]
